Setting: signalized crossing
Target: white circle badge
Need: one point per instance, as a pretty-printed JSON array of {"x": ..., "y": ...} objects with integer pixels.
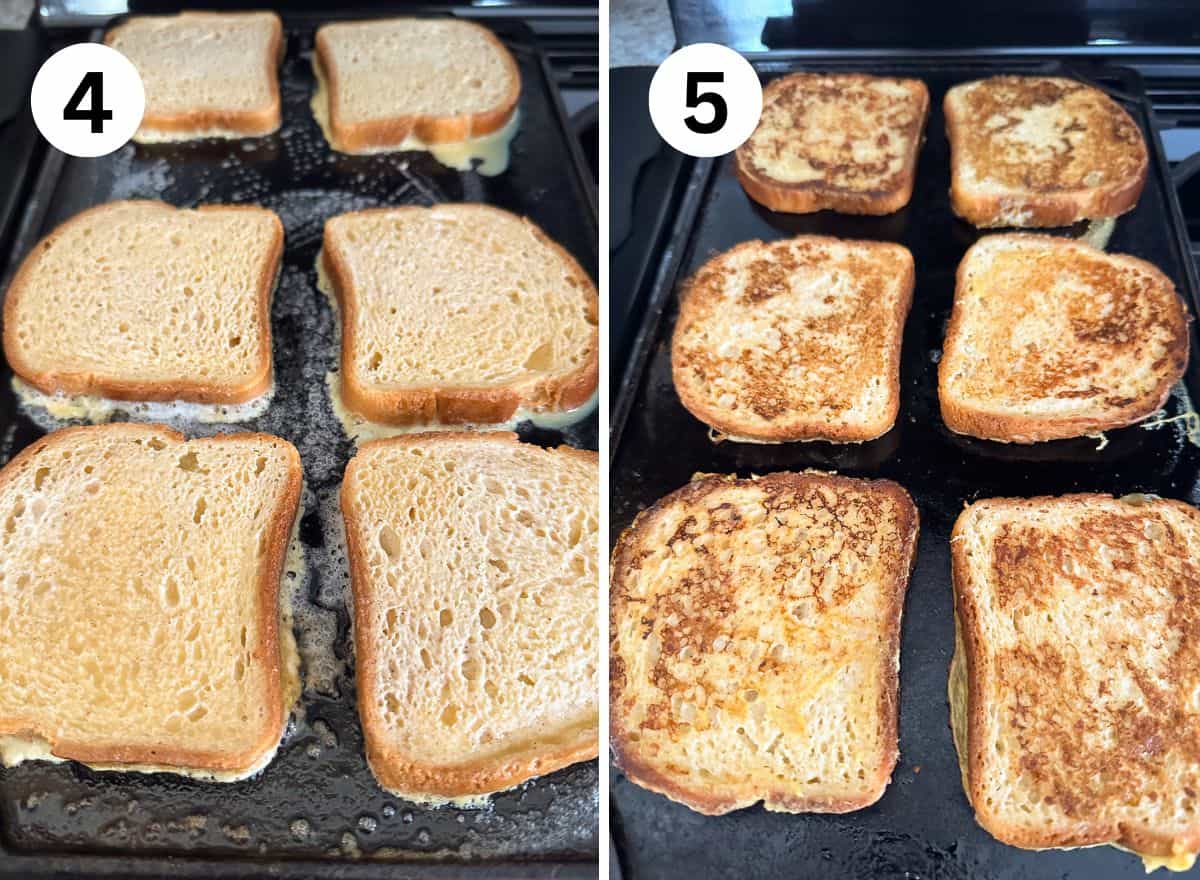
[
  {"x": 705, "y": 100},
  {"x": 88, "y": 100}
]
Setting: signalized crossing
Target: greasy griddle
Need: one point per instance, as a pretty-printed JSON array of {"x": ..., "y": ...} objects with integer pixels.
[
  {"x": 317, "y": 800},
  {"x": 923, "y": 826}
]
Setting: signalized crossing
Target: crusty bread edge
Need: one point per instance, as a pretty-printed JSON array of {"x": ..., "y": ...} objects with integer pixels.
[
  {"x": 457, "y": 405},
  {"x": 1061, "y": 208},
  {"x": 964, "y": 418},
  {"x": 372, "y": 135},
  {"x": 711, "y": 802},
  {"x": 1143, "y": 841},
  {"x": 268, "y": 650},
  {"x": 394, "y": 770},
  {"x": 817, "y": 195},
  {"x": 799, "y": 429},
  {"x": 254, "y": 122},
  {"x": 192, "y": 391}
]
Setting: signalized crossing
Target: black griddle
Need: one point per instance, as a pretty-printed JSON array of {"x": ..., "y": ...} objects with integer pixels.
[
  {"x": 316, "y": 810},
  {"x": 923, "y": 826}
]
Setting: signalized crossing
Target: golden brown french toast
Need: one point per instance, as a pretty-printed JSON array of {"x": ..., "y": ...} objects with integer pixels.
[
  {"x": 1041, "y": 151},
  {"x": 755, "y": 630},
  {"x": 1073, "y": 688}
]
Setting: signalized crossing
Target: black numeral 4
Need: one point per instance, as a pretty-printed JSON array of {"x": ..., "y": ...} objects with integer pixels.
[
  {"x": 696, "y": 98},
  {"x": 93, "y": 84}
]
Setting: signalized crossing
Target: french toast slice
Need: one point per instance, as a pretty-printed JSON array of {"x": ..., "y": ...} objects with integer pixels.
[
  {"x": 141, "y": 301},
  {"x": 206, "y": 74},
  {"x": 1073, "y": 688},
  {"x": 1051, "y": 338},
  {"x": 795, "y": 340},
  {"x": 142, "y": 625},
  {"x": 1038, "y": 151},
  {"x": 474, "y": 566},
  {"x": 846, "y": 142},
  {"x": 755, "y": 629}
]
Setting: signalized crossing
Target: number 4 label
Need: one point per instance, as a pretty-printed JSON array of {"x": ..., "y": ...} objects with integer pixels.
[
  {"x": 88, "y": 100},
  {"x": 93, "y": 82},
  {"x": 705, "y": 100}
]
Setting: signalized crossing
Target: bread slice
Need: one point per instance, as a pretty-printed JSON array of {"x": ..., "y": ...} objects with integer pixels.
[
  {"x": 1040, "y": 151},
  {"x": 139, "y": 300},
  {"x": 206, "y": 74},
  {"x": 140, "y": 600},
  {"x": 843, "y": 141},
  {"x": 474, "y": 565},
  {"x": 458, "y": 314},
  {"x": 1073, "y": 684},
  {"x": 755, "y": 629},
  {"x": 1050, "y": 338},
  {"x": 409, "y": 83},
  {"x": 795, "y": 340}
]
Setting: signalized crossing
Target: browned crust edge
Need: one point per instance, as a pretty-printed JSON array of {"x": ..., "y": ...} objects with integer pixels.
[
  {"x": 799, "y": 429},
  {"x": 199, "y": 391},
  {"x": 267, "y": 651},
  {"x": 244, "y": 123},
  {"x": 1143, "y": 841},
  {"x": 817, "y": 195},
  {"x": 1045, "y": 210},
  {"x": 395, "y": 770},
  {"x": 712, "y": 802},
  {"x": 964, "y": 418},
  {"x": 365, "y": 137},
  {"x": 457, "y": 405}
]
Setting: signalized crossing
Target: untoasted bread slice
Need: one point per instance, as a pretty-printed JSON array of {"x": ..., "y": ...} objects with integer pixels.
[
  {"x": 755, "y": 630},
  {"x": 458, "y": 314},
  {"x": 473, "y": 559},
  {"x": 1051, "y": 338},
  {"x": 795, "y": 340},
  {"x": 140, "y": 600},
  {"x": 411, "y": 82},
  {"x": 1041, "y": 151},
  {"x": 142, "y": 301},
  {"x": 206, "y": 74},
  {"x": 1073, "y": 685},
  {"x": 843, "y": 141}
]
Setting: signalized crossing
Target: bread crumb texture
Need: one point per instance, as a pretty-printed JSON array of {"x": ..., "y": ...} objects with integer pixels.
[
  {"x": 435, "y": 67},
  {"x": 474, "y": 569},
  {"x": 140, "y": 300},
  {"x": 199, "y": 64},
  {"x": 1054, "y": 338},
  {"x": 755, "y": 641},
  {"x": 796, "y": 339},
  {"x": 1079, "y": 618},
  {"x": 461, "y": 297},
  {"x": 139, "y": 582},
  {"x": 838, "y": 135}
]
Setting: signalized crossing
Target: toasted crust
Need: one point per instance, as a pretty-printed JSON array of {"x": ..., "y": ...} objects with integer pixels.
[
  {"x": 836, "y": 184},
  {"x": 1018, "y": 189},
  {"x": 196, "y": 390},
  {"x": 201, "y": 123},
  {"x": 268, "y": 649},
  {"x": 395, "y": 770},
  {"x": 970, "y": 599},
  {"x": 456, "y": 405},
  {"x": 378, "y": 134},
  {"x": 1095, "y": 332},
  {"x": 628, "y": 741},
  {"x": 772, "y": 413}
]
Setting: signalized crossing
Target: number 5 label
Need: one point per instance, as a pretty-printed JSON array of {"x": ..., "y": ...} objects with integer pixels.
[
  {"x": 88, "y": 100},
  {"x": 705, "y": 100}
]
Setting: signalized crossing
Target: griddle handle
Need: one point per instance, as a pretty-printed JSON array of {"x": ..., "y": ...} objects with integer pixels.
[{"x": 1185, "y": 170}]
